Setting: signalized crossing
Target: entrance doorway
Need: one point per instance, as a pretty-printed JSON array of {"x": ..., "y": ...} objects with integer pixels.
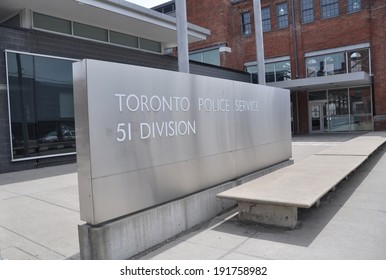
[{"x": 318, "y": 116}]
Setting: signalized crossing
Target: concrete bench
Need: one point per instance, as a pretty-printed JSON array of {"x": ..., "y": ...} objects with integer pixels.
[{"x": 274, "y": 198}]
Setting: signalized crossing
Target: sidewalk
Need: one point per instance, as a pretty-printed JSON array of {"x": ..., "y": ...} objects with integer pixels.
[{"x": 39, "y": 214}]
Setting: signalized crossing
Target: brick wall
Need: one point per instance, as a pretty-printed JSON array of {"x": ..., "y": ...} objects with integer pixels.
[
  {"x": 32, "y": 41},
  {"x": 378, "y": 57},
  {"x": 365, "y": 26}
]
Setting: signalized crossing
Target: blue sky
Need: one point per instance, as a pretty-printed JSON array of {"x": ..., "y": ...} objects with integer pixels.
[{"x": 148, "y": 3}]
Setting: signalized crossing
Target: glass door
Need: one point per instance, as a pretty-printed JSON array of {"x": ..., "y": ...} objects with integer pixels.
[{"x": 318, "y": 116}]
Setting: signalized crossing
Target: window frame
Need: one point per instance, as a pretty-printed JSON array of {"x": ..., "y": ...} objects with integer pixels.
[
  {"x": 350, "y": 63},
  {"x": 246, "y": 23},
  {"x": 326, "y": 6},
  {"x": 307, "y": 9},
  {"x": 282, "y": 19},
  {"x": 350, "y": 6},
  {"x": 33, "y": 55},
  {"x": 266, "y": 21}
]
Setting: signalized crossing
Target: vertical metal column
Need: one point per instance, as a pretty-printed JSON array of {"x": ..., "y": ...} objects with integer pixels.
[
  {"x": 259, "y": 42},
  {"x": 182, "y": 36}
]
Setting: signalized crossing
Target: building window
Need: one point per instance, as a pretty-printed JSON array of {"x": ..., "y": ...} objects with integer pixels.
[
  {"x": 208, "y": 56},
  {"x": 246, "y": 23},
  {"x": 307, "y": 11},
  {"x": 330, "y": 8},
  {"x": 346, "y": 109},
  {"x": 359, "y": 60},
  {"x": 338, "y": 63},
  {"x": 166, "y": 9},
  {"x": 90, "y": 32},
  {"x": 266, "y": 19},
  {"x": 326, "y": 65},
  {"x": 149, "y": 45},
  {"x": 252, "y": 70},
  {"x": 63, "y": 26},
  {"x": 274, "y": 72},
  {"x": 40, "y": 92},
  {"x": 282, "y": 15},
  {"x": 277, "y": 71},
  {"x": 123, "y": 39},
  {"x": 52, "y": 23},
  {"x": 353, "y": 6}
]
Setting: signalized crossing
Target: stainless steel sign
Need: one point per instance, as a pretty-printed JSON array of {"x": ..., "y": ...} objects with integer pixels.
[{"x": 146, "y": 136}]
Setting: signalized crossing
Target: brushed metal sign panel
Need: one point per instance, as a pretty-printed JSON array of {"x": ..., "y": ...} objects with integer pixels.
[{"x": 147, "y": 136}]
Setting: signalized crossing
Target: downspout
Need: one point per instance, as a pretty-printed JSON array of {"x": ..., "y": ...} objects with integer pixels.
[
  {"x": 295, "y": 40},
  {"x": 296, "y": 63}
]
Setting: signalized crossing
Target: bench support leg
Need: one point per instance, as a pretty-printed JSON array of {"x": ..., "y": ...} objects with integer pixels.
[{"x": 283, "y": 216}]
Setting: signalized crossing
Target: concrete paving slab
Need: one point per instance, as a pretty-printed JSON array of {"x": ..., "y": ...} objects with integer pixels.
[
  {"x": 184, "y": 250},
  {"x": 41, "y": 222},
  {"x": 374, "y": 183},
  {"x": 66, "y": 197},
  {"x": 39, "y": 185},
  {"x": 269, "y": 248},
  {"x": 364, "y": 145},
  {"x": 37, "y": 173},
  {"x": 238, "y": 256},
  {"x": 6, "y": 195},
  {"x": 228, "y": 237},
  {"x": 14, "y": 253},
  {"x": 350, "y": 239},
  {"x": 11, "y": 239}
]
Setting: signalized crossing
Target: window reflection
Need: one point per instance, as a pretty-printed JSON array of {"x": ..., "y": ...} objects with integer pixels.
[
  {"x": 41, "y": 105},
  {"x": 347, "y": 109},
  {"x": 338, "y": 63},
  {"x": 360, "y": 105}
]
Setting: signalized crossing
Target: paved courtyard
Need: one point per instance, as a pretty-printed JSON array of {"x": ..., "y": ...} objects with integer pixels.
[{"x": 39, "y": 214}]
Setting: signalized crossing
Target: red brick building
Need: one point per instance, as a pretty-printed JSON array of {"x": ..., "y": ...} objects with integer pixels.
[{"x": 331, "y": 54}]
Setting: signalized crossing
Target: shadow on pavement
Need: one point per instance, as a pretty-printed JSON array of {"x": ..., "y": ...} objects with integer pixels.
[{"x": 311, "y": 221}]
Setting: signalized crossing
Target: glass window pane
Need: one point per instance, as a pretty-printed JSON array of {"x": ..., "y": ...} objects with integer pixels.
[
  {"x": 266, "y": 19},
  {"x": 316, "y": 66},
  {"x": 150, "y": 45},
  {"x": 91, "y": 32},
  {"x": 123, "y": 39},
  {"x": 358, "y": 61},
  {"x": 22, "y": 105},
  {"x": 317, "y": 95},
  {"x": 246, "y": 23},
  {"x": 283, "y": 71},
  {"x": 52, "y": 23},
  {"x": 253, "y": 71},
  {"x": 270, "y": 72},
  {"x": 41, "y": 105},
  {"x": 54, "y": 105},
  {"x": 338, "y": 110},
  {"x": 307, "y": 11},
  {"x": 212, "y": 57},
  {"x": 336, "y": 64},
  {"x": 196, "y": 57},
  {"x": 354, "y": 6},
  {"x": 330, "y": 8},
  {"x": 360, "y": 105},
  {"x": 282, "y": 15}
]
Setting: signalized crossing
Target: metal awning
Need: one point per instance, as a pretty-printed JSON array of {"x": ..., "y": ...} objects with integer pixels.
[
  {"x": 117, "y": 15},
  {"x": 326, "y": 82}
]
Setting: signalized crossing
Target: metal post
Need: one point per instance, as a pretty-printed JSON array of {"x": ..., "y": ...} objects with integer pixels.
[
  {"x": 182, "y": 36},
  {"x": 259, "y": 42}
]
